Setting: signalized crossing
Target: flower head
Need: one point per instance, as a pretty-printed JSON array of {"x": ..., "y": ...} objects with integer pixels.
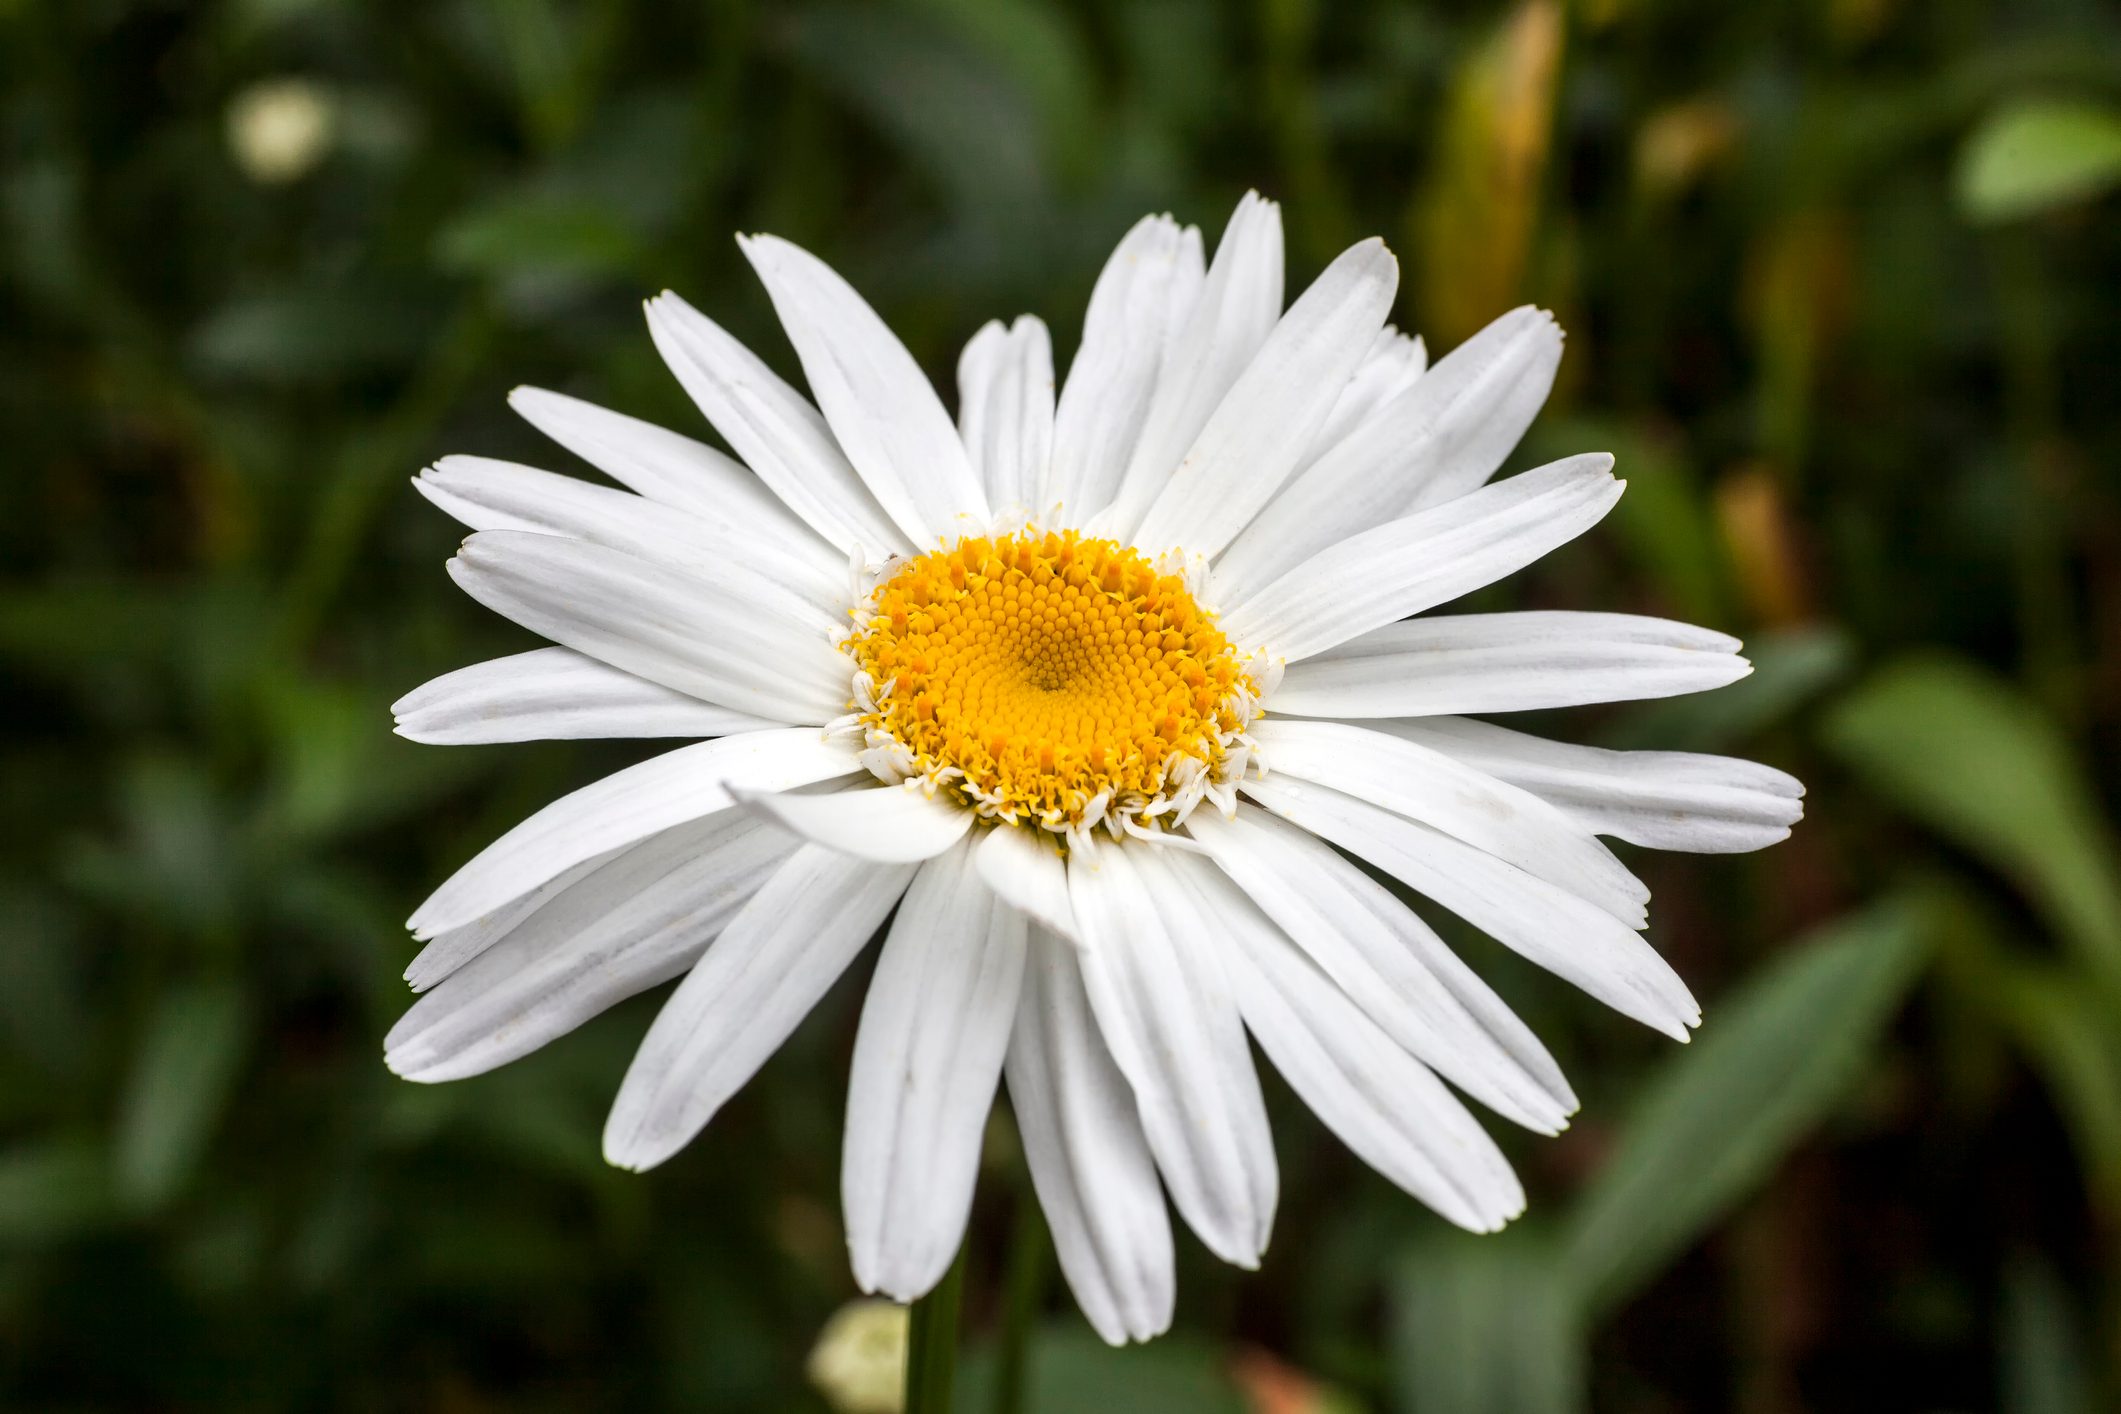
[{"x": 1093, "y": 696}]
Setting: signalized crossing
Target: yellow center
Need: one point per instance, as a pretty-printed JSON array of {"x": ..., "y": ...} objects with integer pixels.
[{"x": 1058, "y": 676}]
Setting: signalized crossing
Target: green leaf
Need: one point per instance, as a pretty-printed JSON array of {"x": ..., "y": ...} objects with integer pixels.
[
  {"x": 1481, "y": 1325},
  {"x": 2045, "y": 1366},
  {"x": 1770, "y": 1063},
  {"x": 1790, "y": 669},
  {"x": 537, "y": 232},
  {"x": 1071, "y": 1371},
  {"x": 2031, "y": 156},
  {"x": 181, "y": 1078},
  {"x": 2070, "y": 1036},
  {"x": 1979, "y": 762},
  {"x": 51, "y": 1190}
]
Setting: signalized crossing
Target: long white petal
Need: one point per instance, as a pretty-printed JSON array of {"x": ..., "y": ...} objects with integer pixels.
[
  {"x": 772, "y": 427},
  {"x": 1406, "y": 566},
  {"x": 555, "y": 694},
  {"x": 927, "y": 1059},
  {"x": 1571, "y": 938},
  {"x": 1508, "y": 663},
  {"x": 1468, "y": 804},
  {"x": 1439, "y": 439},
  {"x": 1659, "y": 799},
  {"x": 1166, "y": 1013},
  {"x": 759, "y": 980},
  {"x": 737, "y": 639},
  {"x": 637, "y": 921},
  {"x": 1005, "y": 409},
  {"x": 881, "y": 407},
  {"x": 668, "y": 467},
  {"x": 1239, "y": 302},
  {"x": 1269, "y": 418},
  {"x": 686, "y": 784},
  {"x": 1089, "y": 1160},
  {"x": 884, "y": 824},
  {"x": 1029, "y": 873},
  {"x": 1390, "y": 962},
  {"x": 1394, "y": 364},
  {"x": 450, "y": 948},
  {"x": 1133, "y": 309},
  {"x": 495, "y": 495}
]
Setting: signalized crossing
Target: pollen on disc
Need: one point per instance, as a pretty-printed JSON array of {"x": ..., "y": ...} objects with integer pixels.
[{"x": 1039, "y": 673}]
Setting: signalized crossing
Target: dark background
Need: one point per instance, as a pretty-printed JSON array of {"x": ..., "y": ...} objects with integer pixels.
[{"x": 1840, "y": 281}]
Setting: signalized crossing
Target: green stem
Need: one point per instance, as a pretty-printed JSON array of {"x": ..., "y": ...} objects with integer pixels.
[
  {"x": 1027, "y": 1283},
  {"x": 931, "y": 1350}
]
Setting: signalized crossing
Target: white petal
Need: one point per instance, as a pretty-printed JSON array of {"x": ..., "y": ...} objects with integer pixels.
[
  {"x": 450, "y": 948},
  {"x": 1166, "y": 1013},
  {"x": 1239, "y": 302},
  {"x": 668, "y": 467},
  {"x": 1390, "y": 962},
  {"x": 927, "y": 1059},
  {"x": 772, "y": 427},
  {"x": 1145, "y": 289},
  {"x": 1267, "y": 421},
  {"x": 494, "y": 495},
  {"x": 879, "y": 404},
  {"x": 1446, "y": 794},
  {"x": 1394, "y": 364},
  {"x": 737, "y": 639},
  {"x": 1572, "y": 939},
  {"x": 1438, "y": 440},
  {"x": 1659, "y": 799},
  {"x": 1005, "y": 409},
  {"x": 1406, "y": 566},
  {"x": 1021, "y": 864},
  {"x": 1381, "y": 1101},
  {"x": 1508, "y": 663},
  {"x": 639, "y": 920},
  {"x": 781, "y": 953},
  {"x": 686, "y": 784},
  {"x": 1089, "y": 1161},
  {"x": 555, "y": 694},
  {"x": 884, "y": 824}
]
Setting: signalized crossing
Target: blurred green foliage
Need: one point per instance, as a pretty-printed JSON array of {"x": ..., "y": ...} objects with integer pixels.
[{"x": 1840, "y": 279}]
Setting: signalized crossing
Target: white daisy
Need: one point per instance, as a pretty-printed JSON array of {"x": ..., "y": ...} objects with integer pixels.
[{"x": 1099, "y": 692}]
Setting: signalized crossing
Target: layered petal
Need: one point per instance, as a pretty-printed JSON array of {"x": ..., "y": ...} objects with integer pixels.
[
  {"x": 762, "y": 976},
  {"x": 1005, "y": 409},
  {"x": 884, "y": 824},
  {"x": 1029, "y": 874},
  {"x": 450, "y": 948},
  {"x": 927, "y": 1059},
  {"x": 555, "y": 694},
  {"x": 1394, "y": 364}
]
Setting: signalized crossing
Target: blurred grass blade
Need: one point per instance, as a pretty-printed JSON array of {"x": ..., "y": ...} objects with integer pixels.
[
  {"x": 2068, "y": 1033},
  {"x": 1073, "y": 1372},
  {"x": 1770, "y": 1062},
  {"x": 2029, "y": 157},
  {"x": 1976, "y": 760},
  {"x": 1481, "y": 1325},
  {"x": 2044, "y": 1364},
  {"x": 51, "y": 1190},
  {"x": 180, "y": 1082}
]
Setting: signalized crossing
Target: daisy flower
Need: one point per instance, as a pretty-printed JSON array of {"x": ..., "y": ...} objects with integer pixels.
[{"x": 1095, "y": 698}]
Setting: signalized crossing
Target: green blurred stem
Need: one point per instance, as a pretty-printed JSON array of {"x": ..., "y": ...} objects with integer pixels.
[
  {"x": 931, "y": 1352},
  {"x": 1028, "y": 1254}
]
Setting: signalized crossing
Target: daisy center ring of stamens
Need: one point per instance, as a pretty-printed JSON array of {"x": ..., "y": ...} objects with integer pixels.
[{"x": 1048, "y": 678}]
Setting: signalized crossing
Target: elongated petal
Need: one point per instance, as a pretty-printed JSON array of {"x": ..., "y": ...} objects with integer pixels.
[
  {"x": 555, "y": 694},
  {"x": 1089, "y": 1160},
  {"x": 1508, "y": 663},
  {"x": 738, "y": 640},
  {"x": 881, "y": 407},
  {"x": 1658, "y": 799},
  {"x": 450, "y": 948},
  {"x": 1005, "y": 409},
  {"x": 1133, "y": 314},
  {"x": 1174, "y": 1030},
  {"x": 1394, "y": 364},
  {"x": 1267, "y": 421},
  {"x": 1406, "y": 566},
  {"x": 1382, "y": 1102},
  {"x": 1441, "y": 438},
  {"x": 1029, "y": 874},
  {"x": 1446, "y": 794},
  {"x": 1239, "y": 302},
  {"x": 772, "y": 427},
  {"x": 927, "y": 1059},
  {"x": 686, "y": 784},
  {"x": 1572, "y": 939},
  {"x": 1386, "y": 959},
  {"x": 884, "y": 824},
  {"x": 494, "y": 495},
  {"x": 759, "y": 980},
  {"x": 668, "y": 467},
  {"x": 639, "y": 920}
]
